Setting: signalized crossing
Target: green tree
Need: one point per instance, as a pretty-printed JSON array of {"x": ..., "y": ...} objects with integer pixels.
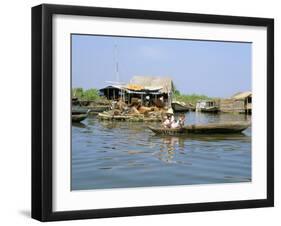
[
  {"x": 191, "y": 98},
  {"x": 88, "y": 94},
  {"x": 91, "y": 94},
  {"x": 77, "y": 92}
]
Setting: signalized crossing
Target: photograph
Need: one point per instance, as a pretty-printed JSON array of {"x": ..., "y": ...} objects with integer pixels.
[
  {"x": 148, "y": 111},
  {"x": 140, "y": 112}
]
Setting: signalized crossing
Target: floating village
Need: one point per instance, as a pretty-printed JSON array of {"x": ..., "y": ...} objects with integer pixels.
[{"x": 151, "y": 99}]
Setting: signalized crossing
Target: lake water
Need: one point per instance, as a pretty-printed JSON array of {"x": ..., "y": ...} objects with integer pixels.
[{"x": 127, "y": 154}]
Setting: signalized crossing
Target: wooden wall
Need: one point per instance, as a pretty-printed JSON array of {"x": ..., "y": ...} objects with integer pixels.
[{"x": 232, "y": 105}]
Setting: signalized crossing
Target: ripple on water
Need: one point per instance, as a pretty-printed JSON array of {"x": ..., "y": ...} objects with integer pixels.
[{"x": 121, "y": 154}]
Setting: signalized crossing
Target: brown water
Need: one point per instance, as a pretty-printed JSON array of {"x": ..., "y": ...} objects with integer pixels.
[{"x": 127, "y": 154}]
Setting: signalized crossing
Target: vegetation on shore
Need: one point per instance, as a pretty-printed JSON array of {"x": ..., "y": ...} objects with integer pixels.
[
  {"x": 87, "y": 95},
  {"x": 93, "y": 95},
  {"x": 189, "y": 98}
]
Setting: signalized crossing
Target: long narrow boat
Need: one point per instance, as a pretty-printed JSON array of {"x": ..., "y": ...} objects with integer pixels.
[
  {"x": 75, "y": 110},
  {"x": 78, "y": 117},
  {"x": 213, "y": 109},
  {"x": 78, "y": 114},
  {"x": 99, "y": 108},
  {"x": 179, "y": 107},
  {"x": 212, "y": 128}
]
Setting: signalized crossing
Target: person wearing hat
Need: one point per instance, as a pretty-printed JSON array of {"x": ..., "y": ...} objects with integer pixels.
[
  {"x": 169, "y": 119},
  {"x": 178, "y": 123}
]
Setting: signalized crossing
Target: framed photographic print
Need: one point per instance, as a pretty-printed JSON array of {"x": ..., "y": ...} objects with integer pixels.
[{"x": 145, "y": 112}]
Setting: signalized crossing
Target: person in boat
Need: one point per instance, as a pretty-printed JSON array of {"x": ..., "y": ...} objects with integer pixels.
[
  {"x": 181, "y": 120},
  {"x": 169, "y": 118},
  {"x": 175, "y": 124},
  {"x": 178, "y": 123},
  {"x": 168, "y": 121},
  {"x": 147, "y": 101}
]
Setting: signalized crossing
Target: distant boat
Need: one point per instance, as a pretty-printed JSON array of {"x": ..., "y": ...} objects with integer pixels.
[
  {"x": 99, "y": 108},
  {"x": 208, "y": 106},
  {"x": 212, "y": 109},
  {"x": 79, "y": 114},
  {"x": 212, "y": 128},
  {"x": 79, "y": 118},
  {"x": 180, "y": 106}
]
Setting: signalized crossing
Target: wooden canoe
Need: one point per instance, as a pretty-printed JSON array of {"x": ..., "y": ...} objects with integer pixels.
[
  {"x": 212, "y": 128},
  {"x": 76, "y": 110},
  {"x": 178, "y": 107},
  {"x": 213, "y": 109},
  {"x": 99, "y": 108},
  {"x": 78, "y": 117}
]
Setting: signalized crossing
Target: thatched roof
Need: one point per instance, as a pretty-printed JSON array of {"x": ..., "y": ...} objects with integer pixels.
[
  {"x": 242, "y": 95},
  {"x": 164, "y": 84}
]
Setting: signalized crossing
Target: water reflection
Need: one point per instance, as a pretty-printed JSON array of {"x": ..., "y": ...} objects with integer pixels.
[
  {"x": 79, "y": 124},
  {"x": 170, "y": 145},
  {"x": 109, "y": 154}
]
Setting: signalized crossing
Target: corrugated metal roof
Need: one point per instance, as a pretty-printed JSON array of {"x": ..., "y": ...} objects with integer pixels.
[{"x": 113, "y": 86}]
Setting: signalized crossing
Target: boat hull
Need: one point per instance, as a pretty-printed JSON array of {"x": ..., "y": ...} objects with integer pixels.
[
  {"x": 78, "y": 110},
  {"x": 210, "y": 110},
  {"x": 180, "y": 108},
  {"x": 213, "y": 128},
  {"x": 78, "y": 117},
  {"x": 98, "y": 109}
]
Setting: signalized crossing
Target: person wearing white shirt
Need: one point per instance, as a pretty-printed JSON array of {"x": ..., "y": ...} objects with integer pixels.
[
  {"x": 169, "y": 119},
  {"x": 175, "y": 124}
]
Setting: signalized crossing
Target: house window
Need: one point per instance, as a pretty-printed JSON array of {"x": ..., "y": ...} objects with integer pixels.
[{"x": 249, "y": 100}]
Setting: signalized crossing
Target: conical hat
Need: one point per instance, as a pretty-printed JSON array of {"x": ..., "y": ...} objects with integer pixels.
[{"x": 170, "y": 111}]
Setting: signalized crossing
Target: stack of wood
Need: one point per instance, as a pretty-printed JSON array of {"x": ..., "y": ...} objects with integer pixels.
[{"x": 133, "y": 112}]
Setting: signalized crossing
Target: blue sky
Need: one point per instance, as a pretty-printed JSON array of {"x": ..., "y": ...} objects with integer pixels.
[{"x": 217, "y": 69}]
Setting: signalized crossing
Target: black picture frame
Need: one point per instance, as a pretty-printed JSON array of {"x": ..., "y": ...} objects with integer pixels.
[{"x": 42, "y": 111}]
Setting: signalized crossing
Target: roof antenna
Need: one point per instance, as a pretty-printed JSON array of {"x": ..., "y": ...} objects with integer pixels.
[{"x": 116, "y": 62}]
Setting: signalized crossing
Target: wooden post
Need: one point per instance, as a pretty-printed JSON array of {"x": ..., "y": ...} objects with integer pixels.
[{"x": 169, "y": 99}]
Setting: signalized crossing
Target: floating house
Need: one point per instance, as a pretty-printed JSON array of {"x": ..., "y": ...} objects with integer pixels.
[
  {"x": 239, "y": 103},
  {"x": 155, "y": 88},
  {"x": 146, "y": 90},
  {"x": 112, "y": 92},
  {"x": 210, "y": 106},
  {"x": 246, "y": 97}
]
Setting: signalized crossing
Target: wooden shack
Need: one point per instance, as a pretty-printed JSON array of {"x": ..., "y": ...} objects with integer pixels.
[
  {"x": 246, "y": 97},
  {"x": 146, "y": 90},
  {"x": 154, "y": 88},
  {"x": 231, "y": 106},
  {"x": 239, "y": 103},
  {"x": 113, "y": 92}
]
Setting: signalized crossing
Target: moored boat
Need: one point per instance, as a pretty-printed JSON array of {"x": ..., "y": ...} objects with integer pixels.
[
  {"x": 78, "y": 114},
  {"x": 208, "y": 106},
  {"x": 213, "y": 109},
  {"x": 99, "y": 108},
  {"x": 78, "y": 117},
  {"x": 179, "y": 106},
  {"x": 212, "y": 128}
]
